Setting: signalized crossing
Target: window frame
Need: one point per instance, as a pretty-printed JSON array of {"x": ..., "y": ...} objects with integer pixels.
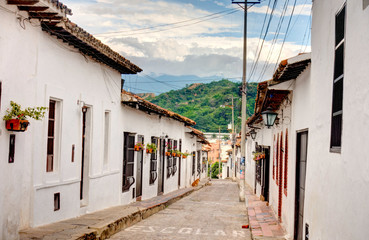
[
  {"x": 56, "y": 136},
  {"x": 126, "y": 163},
  {"x": 154, "y": 162},
  {"x": 338, "y": 95}
]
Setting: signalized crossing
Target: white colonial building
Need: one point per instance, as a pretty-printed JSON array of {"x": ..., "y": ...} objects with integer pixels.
[
  {"x": 273, "y": 168},
  {"x": 80, "y": 158}
]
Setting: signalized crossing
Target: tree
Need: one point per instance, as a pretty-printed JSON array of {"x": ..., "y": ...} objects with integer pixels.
[{"x": 215, "y": 170}]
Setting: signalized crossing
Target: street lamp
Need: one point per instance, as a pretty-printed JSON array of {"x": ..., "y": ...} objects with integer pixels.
[
  {"x": 269, "y": 117},
  {"x": 253, "y": 134}
]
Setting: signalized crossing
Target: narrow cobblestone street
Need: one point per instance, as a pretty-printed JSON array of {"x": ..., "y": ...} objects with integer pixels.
[{"x": 213, "y": 212}]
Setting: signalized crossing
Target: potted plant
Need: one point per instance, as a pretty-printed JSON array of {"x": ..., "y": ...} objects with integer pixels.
[
  {"x": 151, "y": 148},
  {"x": 16, "y": 118},
  {"x": 139, "y": 146},
  {"x": 167, "y": 153},
  {"x": 184, "y": 155},
  {"x": 178, "y": 153}
]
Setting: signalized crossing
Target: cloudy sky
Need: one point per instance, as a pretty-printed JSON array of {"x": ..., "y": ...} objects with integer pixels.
[{"x": 177, "y": 42}]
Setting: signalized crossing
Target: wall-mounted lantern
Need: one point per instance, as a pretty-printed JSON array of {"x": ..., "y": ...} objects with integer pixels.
[
  {"x": 269, "y": 117},
  {"x": 253, "y": 134}
]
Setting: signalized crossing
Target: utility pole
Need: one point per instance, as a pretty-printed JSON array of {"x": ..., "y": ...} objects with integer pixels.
[
  {"x": 244, "y": 99},
  {"x": 233, "y": 142},
  {"x": 219, "y": 152}
]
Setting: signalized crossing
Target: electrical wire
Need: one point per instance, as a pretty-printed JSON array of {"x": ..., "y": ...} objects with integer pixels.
[
  {"x": 274, "y": 41},
  {"x": 263, "y": 41},
  {"x": 164, "y": 25},
  {"x": 285, "y": 36},
  {"x": 181, "y": 26}
]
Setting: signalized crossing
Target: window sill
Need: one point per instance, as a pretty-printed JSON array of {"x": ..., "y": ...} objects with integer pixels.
[{"x": 335, "y": 149}]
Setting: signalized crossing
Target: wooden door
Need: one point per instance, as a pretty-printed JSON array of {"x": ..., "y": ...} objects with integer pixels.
[
  {"x": 301, "y": 157},
  {"x": 265, "y": 175}
]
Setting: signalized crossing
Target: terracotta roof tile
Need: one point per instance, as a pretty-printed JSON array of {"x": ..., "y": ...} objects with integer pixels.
[{"x": 133, "y": 100}]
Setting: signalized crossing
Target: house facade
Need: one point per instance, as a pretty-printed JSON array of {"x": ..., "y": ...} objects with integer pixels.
[
  {"x": 80, "y": 158},
  {"x": 337, "y": 171},
  {"x": 272, "y": 165}
]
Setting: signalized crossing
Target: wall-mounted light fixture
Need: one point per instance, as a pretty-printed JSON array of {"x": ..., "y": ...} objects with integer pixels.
[
  {"x": 253, "y": 134},
  {"x": 269, "y": 117}
]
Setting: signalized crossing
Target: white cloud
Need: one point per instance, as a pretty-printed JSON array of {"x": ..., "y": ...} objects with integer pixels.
[
  {"x": 303, "y": 9},
  {"x": 178, "y": 51}
]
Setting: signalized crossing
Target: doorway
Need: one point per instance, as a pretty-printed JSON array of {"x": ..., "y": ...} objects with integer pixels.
[
  {"x": 161, "y": 167},
  {"x": 265, "y": 175},
  {"x": 301, "y": 157},
  {"x": 85, "y": 158},
  {"x": 140, "y": 139}
]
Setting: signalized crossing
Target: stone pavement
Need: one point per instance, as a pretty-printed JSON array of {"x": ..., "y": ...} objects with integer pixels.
[
  {"x": 103, "y": 224},
  {"x": 263, "y": 222},
  {"x": 213, "y": 213}
]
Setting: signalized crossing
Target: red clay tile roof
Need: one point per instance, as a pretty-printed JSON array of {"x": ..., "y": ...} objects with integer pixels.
[
  {"x": 52, "y": 15},
  {"x": 199, "y": 134},
  {"x": 133, "y": 100},
  {"x": 288, "y": 69}
]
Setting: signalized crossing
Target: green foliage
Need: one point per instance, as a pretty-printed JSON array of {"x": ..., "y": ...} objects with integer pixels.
[
  {"x": 151, "y": 146},
  {"x": 214, "y": 170},
  {"x": 16, "y": 112},
  {"x": 201, "y": 103}
]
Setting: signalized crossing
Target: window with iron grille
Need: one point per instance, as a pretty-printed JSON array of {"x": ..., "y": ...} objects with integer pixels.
[
  {"x": 170, "y": 158},
  {"x": 198, "y": 162},
  {"x": 193, "y": 162},
  {"x": 175, "y": 148},
  {"x": 153, "y": 162},
  {"x": 128, "y": 161},
  {"x": 337, "y": 101}
]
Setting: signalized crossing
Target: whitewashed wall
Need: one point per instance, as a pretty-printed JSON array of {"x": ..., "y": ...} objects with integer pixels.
[
  {"x": 337, "y": 183},
  {"x": 35, "y": 67},
  {"x": 296, "y": 117}
]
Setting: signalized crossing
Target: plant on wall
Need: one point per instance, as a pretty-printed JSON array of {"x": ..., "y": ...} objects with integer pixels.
[
  {"x": 16, "y": 118},
  {"x": 151, "y": 148},
  {"x": 139, "y": 146}
]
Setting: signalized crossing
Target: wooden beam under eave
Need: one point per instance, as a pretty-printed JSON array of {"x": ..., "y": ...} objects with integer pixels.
[
  {"x": 33, "y": 8},
  {"x": 22, "y": 2}
]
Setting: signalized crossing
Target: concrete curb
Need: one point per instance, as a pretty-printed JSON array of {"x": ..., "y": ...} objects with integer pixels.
[{"x": 107, "y": 224}]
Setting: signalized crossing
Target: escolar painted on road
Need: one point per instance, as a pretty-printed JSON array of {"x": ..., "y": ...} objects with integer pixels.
[{"x": 184, "y": 231}]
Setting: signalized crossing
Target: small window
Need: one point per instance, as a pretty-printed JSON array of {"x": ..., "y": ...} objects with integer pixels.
[
  {"x": 193, "y": 162},
  {"x": 11, "y": 148},
  {"x": 56, "y": 201},
  {"x": 0, "y": 93},
  {"x": 170, "y": 158},
  {"x": 153, "y": 162},
  {"x": 337, "y": 100},
  {"x": 51, "y": 137},
  {"x": 106, "y": 136}
]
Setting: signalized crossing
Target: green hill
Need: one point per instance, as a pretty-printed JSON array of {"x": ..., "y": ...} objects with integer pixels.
[{"x": 201, "y": 102}]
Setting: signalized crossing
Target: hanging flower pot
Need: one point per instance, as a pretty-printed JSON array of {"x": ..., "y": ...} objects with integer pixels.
[
  {"x": 16, "y": 118},
  {"x": 148, "y": 150},
  {"x": 16, "y": 125},
  {"x": 167, "y": 154},
  {"x": 139, "y": 147}
]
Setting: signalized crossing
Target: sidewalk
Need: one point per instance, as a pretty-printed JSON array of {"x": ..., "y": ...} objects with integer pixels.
[
  {"x": 103, "y": 224},
  {"x": 262, "y": 220}
]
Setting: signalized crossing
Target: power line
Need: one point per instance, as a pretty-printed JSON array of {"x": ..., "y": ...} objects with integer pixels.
[
  {"x": 274, "y": 41},
  {"x": 164, "y": 25},
  {"x": 263, "y": 41},
  {"x": 285, "y": 36},
  {"x": 175, "y": 27}
]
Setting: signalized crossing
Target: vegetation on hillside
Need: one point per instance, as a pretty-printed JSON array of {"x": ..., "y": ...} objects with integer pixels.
[{"x": 202, "y": 103}]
